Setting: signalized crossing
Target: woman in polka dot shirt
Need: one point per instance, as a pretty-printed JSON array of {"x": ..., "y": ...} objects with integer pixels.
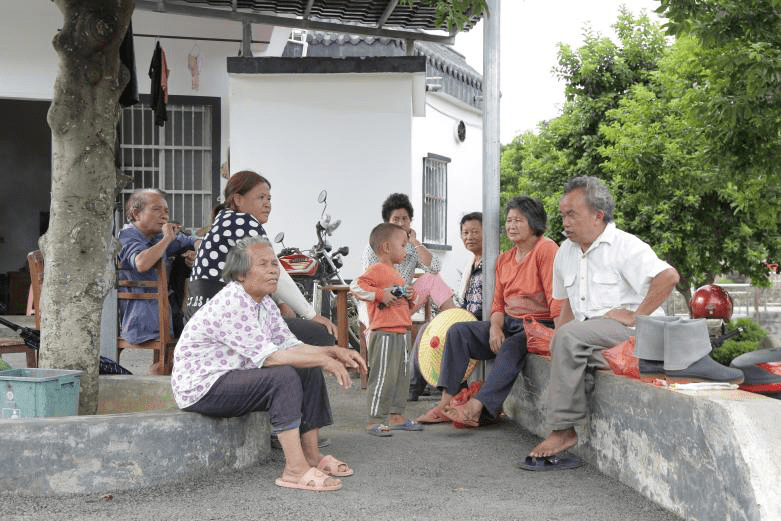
[{"x": 246, "y": 209}]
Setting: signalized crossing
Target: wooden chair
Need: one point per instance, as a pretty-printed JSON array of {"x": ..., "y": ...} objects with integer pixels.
[
  {"x": 16, "y": 345},
  {"x": 12, "y": 345},
  {"x": 35, "y": 262},
  {"x": 164, "y": 345},
  {"x": 342, "y": 325}
]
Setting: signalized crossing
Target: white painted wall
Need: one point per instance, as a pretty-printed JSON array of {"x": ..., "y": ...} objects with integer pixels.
[
  {"x": 354, "y": 135},
  {"x": 351, "y": 134},
  {"x": 436, "y": 134},
  {"x": 348, "y": 133},
  {"x": 28, "y": 69},
  {"x": 29, "y": 64}
]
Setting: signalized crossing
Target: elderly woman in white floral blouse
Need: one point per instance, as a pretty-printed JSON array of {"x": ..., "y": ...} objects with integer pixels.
[{"x": 236, "y": 355}]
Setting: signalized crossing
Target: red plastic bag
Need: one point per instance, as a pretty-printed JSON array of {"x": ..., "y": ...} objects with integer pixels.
[
  {"x": 622, "y": 359},
  {"x": 538, "y": 337},
  {"x": 771, "y": 367}
]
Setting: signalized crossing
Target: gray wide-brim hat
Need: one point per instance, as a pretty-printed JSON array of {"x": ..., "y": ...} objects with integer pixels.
[
  {"x": 762, "y": 379},
  {"x": 685, "y": 341},
  {"x": 649, "y": 336}
]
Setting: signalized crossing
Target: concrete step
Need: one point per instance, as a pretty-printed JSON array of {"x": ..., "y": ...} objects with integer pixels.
[
  {"x": 139, "y": 439},
  {"x": 705, "y": 455}
]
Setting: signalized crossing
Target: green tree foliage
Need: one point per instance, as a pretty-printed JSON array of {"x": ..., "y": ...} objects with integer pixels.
[
  {"x": 740, "y": 110},
  {"x": 670, "y": 194},
  {"x": 635, "y": 118},
  {"x": 452, "y": 13},
  {"x": 749, "y": 340},
  {"x": 597, "y": 76}
]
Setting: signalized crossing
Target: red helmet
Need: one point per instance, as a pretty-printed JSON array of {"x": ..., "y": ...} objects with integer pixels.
[{"x": 711, "y": 301}]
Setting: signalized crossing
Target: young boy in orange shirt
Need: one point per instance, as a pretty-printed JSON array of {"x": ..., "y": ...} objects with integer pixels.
[{"x": 389, "y": 303}]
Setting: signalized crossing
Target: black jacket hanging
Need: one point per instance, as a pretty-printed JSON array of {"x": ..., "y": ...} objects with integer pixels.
[
  {"x": 127, "y": 57},
  {"x": 158, "y": 89}
]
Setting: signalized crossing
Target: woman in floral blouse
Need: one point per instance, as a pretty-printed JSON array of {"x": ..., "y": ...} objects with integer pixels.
[{"x": 237, "y": 355}]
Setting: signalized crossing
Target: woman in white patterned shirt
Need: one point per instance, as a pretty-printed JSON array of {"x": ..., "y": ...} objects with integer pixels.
[{"x": 237, "y": 355}]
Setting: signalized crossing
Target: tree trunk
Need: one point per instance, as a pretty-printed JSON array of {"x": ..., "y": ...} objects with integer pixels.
[
  {"x": 79, "y": 248},
  {"x": 686, "y": 291}
]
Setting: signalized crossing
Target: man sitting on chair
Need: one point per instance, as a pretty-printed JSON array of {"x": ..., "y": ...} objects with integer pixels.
[{"x": 145, "y": 240}]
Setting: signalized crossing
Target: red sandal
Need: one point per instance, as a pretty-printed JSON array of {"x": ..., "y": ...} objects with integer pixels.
[{"x": 457, "y": 414}]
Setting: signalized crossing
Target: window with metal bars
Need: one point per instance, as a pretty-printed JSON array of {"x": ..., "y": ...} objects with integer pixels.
[
  {"x": 180, "y": 158},
  {"x": 435, "y": 199}
]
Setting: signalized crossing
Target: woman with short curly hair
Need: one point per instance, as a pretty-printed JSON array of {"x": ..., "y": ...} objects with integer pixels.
[{"x": 397, "y": 210}]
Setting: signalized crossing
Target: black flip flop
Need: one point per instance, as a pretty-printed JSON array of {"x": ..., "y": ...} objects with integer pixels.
[{"x": 555, "y": 462}]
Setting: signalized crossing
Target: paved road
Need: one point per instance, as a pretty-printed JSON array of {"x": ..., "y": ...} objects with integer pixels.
[{"x": 441, "y": 473}]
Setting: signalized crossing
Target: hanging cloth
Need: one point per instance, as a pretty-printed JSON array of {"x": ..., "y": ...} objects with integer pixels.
[
  {"x": 194, "y": 63},
  {"x": 158, "y": 73},
  {"x": 127, "y": 57}
]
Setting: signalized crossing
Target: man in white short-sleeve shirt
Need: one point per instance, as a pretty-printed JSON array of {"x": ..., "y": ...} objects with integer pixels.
[
  {"x": 606, "y": 278},
  {"x": 615, "y": 272}
]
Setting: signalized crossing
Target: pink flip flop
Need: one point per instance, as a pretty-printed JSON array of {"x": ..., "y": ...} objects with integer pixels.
[
  {"x": 334, "y": 467},
  {"x": 313, "y": 480}
]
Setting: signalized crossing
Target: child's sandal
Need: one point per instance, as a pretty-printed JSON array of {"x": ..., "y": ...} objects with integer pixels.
[{"x": 381, "y": 430}]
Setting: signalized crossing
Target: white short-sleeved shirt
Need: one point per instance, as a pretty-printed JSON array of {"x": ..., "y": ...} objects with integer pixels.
[{"x": 614, "y": 272}]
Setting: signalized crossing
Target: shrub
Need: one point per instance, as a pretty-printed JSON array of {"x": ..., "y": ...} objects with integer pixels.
[{"x": 745, "y": 342}]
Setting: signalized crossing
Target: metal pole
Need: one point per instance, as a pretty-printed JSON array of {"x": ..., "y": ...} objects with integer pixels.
[
  {"x": 409, "y": 47},
  {"x": 491, "y": 217},
  {"x": 246, "y": 38},
  {"x": 491, "y": 148}
]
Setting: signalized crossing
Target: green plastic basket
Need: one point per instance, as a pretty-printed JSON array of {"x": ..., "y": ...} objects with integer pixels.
[{"x": 26, "y": 393}]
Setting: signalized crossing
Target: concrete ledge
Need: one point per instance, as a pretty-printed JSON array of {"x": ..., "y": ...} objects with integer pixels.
[
  {"x": 109, "y": 452},
  {"x": 703, "y": 455},
  {"x": 121, "y": 393}
]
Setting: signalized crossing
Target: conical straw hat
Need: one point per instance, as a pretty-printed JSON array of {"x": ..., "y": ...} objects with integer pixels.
[{"x": 432, "y": 343}]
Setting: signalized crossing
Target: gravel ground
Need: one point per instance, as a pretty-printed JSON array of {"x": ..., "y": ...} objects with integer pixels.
[{"x": 440, "y": 473}]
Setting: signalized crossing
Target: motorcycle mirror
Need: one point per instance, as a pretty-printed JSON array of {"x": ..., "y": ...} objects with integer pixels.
[
  {"x": 279, "y": 237},
  {"x": 321, "y": 199}
]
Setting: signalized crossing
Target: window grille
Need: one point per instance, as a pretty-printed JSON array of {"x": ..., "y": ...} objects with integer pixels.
[
  {"x": 177, "y": 158},
  {"x": 435, "y": 199}
]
